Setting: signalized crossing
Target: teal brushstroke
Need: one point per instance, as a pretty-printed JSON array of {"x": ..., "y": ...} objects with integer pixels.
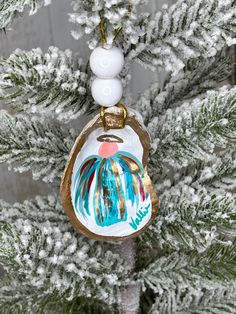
[
  {"x": 82, "y": 183},
  {"x": 141, "y": 214},
  {"x": 109, "y": 211}
]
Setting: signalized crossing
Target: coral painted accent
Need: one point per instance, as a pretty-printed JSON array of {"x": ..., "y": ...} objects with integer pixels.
[{"x": 107, "y": 149}]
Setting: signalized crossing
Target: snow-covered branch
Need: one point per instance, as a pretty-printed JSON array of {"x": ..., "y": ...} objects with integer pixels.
[
  {"x": 37, "y": 145},
  {"x": 199, "y": 75},
  {"x": 191, "y": 131},
  {"x": 193, "y": 283},
  {"x": 10, "y": 9},
  {"x": 113, "y": 14},
  {"x": 54, "y": 83},
  {"x": 191, "y": 219},
  {"x": 48, "y": 262},
  {"x": 186, "y": 30},
  {"x": 219, "y": 173}
]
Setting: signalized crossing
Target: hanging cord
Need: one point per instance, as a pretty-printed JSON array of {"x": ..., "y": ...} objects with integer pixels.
[
  {"x": 120, "y": 29},
  {"x": 118, "y": 32},
  {"x": 102, "y": 28},
  {"x": 103, "y": 34}
]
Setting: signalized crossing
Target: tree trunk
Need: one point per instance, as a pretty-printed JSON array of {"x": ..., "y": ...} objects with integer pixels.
[{"x": 131, "y": 295}]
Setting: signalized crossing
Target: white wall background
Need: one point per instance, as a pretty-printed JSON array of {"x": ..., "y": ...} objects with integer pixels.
[{"x": 48, "y": 27}]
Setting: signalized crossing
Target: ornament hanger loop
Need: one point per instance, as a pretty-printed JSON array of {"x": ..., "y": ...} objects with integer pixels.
[
  {"x": 102, "y": 28},
  {"x": 103, "y": 116},
  {"x": 102, "y": 31}
]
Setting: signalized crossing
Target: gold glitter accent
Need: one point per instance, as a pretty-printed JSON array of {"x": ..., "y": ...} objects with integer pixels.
[
  {"x": 110, "y": 138},
  {"x": 97, "y": 192},
  {"x": 121, "y": 200},
  {"x": 119, "y": 124}
]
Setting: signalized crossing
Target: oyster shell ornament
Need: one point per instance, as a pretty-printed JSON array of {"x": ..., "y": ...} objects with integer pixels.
[{"x": 106, "y": 190}]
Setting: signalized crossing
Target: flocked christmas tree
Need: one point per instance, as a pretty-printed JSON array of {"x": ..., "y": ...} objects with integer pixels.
[{"x": 186, "y": 261}]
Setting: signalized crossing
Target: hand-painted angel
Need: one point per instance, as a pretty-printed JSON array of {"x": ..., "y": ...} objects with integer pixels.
[{"x": 111, "y": 195}]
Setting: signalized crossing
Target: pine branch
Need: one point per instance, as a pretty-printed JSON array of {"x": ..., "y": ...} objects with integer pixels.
[
  {"x": 186, "y": 30},
  {"x": 115, "y": 15},
  {"x": 130, "y": 295},
  {"x": 54, "y": 83},
  {"x": 187, "y": 278},
  {"x": 37, "y": 145},
  {"x": 217, "y": 174},
  {"x": 46, "y": 261},
  {"x": 83, "y": 305},
  {"x": 189, "y": 220},
  {"x": 55, "y": 303},
  {"x": 9, "y": 9},
  {"x": 190, "y": 132},
  {"x": 40, "y": 210},
  {"x": 214, "y": 175},
  {"x": 199, "y": 76},
  {"x": 222, "y": 173},
  {"x": 219, "y": 300}
]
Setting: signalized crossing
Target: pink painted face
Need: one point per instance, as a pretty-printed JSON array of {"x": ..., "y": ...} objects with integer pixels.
[
  {"x": 107, "y": 149},
  {"x": 109, "y": 145}
]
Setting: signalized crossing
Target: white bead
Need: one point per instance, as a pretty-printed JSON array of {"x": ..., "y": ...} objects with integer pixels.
[
  {"x": 106, "y": 63},
  {"x": 108, "y": 92}
]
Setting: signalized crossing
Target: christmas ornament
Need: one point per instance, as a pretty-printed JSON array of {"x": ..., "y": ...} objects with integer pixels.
[{"x": 106, "y": 190}]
